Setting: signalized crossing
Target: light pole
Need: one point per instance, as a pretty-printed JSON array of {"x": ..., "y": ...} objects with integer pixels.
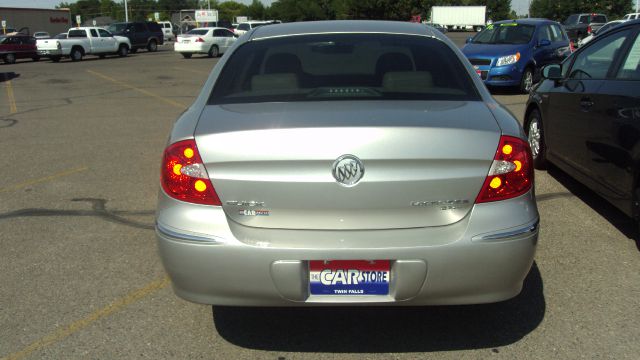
[{"x": 126, "y": 11}]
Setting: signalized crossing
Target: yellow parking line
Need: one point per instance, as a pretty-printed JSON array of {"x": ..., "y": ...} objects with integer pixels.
[
  {"x": 142, "y": 91},
  {"x": 41, "y": 180},
  {"x": 193, "y": 71},
  {"x": 78, "y": 325},
  {"x": 12, "y": 100}
]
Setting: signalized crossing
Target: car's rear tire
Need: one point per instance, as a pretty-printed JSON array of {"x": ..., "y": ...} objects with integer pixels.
[
  {"x": 76, "y": 54},
  {"x": 10, "y": 58},
  {"x": 213, "y": 52},
  {"x": 526, "y": 83},
  {"x": 152, "y": 46},
  {"x": 187, "y": 55},
  {"x": 535, "y": 136},
  {"x": 123, "y": 50}
]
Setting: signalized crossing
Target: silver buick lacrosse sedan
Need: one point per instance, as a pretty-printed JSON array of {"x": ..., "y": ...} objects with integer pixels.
[{"x": 346, "y": 162}]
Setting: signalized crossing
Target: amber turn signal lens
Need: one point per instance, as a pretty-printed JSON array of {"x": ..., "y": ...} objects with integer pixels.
[
  {"x": 495, "y": 183},
  {"x": 507, "y": 149}
]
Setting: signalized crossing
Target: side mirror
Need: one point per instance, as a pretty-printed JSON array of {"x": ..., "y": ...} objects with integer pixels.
[
  {"x": 544, "y": 42},
  {"x": 552, "y": 72},
  {"x": 469, "y": 40}
]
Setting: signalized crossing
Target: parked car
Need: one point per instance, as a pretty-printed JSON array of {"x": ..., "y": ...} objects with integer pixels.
[
  {"x": 441, "y": 28},
  {"x": 168, "y": 30},
  {"x": 244, "y": 27},
  {"x": 579, "y": 26},
  {"x": 511, "y": 52},
  {"x": 602, "y": 30},
  {"x": 142, "y": 35},
  {"x": 41, "y": 35},
  {"x": 211, "y": 41},
  {"x": 583, "y": 117},
  {"x": 632, "y": 16},
  {"x": 82, "y": 41},
  {"x": 340, "y": 162},
  {"x": 18, "y": 46}
]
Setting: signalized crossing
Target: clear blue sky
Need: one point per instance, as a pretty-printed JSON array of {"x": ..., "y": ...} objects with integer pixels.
[{"x": 520, "y": 6}]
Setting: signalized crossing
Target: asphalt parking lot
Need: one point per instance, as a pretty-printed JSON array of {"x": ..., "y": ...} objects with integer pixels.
[{"x": 80, "y": 276}]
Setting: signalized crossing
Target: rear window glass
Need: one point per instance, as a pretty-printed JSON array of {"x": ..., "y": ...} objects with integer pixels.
[
  {"x": 77, "y": 34},
  {"x": 343, "y": 67},
  {"x": 244, "y": 26},
  {"x": 599, "y": 19},
  {"x": 198, "y": 32}
]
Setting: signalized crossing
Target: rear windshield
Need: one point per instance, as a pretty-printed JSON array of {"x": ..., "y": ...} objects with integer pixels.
[
  {"x": 198, "y": 32},
  {"x": 244, "y": 26},
  {"x": 343, "y": 67},
  {"x": 117, "y": 27},
  {"x": 77, "y": 34},
  {"x": 599, "y": 19}
]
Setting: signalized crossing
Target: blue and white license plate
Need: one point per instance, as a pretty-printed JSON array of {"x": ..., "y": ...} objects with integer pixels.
[{"x": 349, "y": 277}]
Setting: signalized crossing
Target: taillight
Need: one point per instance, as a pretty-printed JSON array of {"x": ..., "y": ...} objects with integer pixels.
[
  {"x": 589, "y": 29},
  {"x": 199, "y": 39},
  {"x": 572, "y": 46},
  {"x": 511, "y": 173},
  {"x": 184, "y": 177}
]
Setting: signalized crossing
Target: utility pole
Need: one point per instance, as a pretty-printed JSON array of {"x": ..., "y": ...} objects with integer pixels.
[{"x": 126, "y": 11}]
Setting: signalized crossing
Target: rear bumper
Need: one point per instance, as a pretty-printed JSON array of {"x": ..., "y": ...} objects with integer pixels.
[
  {"x": 482, "y": 258},
  {"x": 194, "y": 48},
  {"x": 50, "y": 52}
]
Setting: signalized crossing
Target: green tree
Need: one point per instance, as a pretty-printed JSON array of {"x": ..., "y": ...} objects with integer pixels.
[
  {"x": 228, "y": 10},
  {"x": 256, "y": 10},
  {"x": 560, "y": 9}
]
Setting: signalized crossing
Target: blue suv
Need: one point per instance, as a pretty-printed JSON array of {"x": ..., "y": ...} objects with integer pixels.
[{"x": 512, "y": 52}]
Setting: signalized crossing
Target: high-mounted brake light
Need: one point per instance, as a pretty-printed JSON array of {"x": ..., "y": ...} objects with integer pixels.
[
  {"x": 511, "y": 173},
  {"x": 184, "y": 177}
]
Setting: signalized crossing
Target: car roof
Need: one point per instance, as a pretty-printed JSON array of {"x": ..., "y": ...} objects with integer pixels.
[
  {"x": 343, "y": 26},
  {"x": 628, "y": 23},
  {"x": 210, "y": 28},
  {"x": 532, "y": 21}
]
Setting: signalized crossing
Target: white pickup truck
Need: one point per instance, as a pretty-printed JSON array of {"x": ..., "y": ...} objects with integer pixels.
[{"x": 83, "y": 41}]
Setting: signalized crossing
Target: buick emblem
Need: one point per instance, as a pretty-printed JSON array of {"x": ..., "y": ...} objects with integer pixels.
[{"x": 348, "y": 170}]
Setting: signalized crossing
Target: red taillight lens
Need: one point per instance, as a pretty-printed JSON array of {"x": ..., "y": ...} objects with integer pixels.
[
  {"x": 199, "y": 39},
  {"x": 589, "y": 29},
  {"x": 511, "y": 172},
  {"x": 184, "y": 177}
]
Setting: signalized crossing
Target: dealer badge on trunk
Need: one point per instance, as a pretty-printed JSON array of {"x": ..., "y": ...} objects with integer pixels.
[{"x": 348, "y": 170}]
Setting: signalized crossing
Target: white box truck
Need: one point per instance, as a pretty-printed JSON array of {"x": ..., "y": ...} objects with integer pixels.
[{"x": 460, "y": 17}]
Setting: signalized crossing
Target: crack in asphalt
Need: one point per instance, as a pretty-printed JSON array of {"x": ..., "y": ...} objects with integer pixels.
[
  {"x": 98, "y": 209},
  {"x": 7, "y": 123}
]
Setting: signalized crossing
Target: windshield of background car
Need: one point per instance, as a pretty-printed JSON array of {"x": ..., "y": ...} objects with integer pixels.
[
  {"x": 117, "y": 27},
  {"x": 244, "y": 26},
  {"x": 331, "y": 67},
  {"x": 507, "y": 33}
]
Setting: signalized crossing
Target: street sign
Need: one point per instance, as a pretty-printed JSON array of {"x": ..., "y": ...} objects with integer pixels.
[
  {"x": 156, "y": 15},
  {"x": 78, "y": 20},
  {"x": 206, "y": 16},
  {"x": 4, "y": 23},
  {"x": 95, "y": 22}
]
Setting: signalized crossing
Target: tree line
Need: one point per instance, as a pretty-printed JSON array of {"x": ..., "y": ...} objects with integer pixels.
[
  {"x": 561, "y": 9},
  {"x": 285, "y": 10}
]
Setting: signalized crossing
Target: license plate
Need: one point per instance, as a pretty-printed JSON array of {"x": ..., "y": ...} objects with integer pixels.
[
  {"x": 349, "y": 277},
  {"x": 185, "y": 41}
]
